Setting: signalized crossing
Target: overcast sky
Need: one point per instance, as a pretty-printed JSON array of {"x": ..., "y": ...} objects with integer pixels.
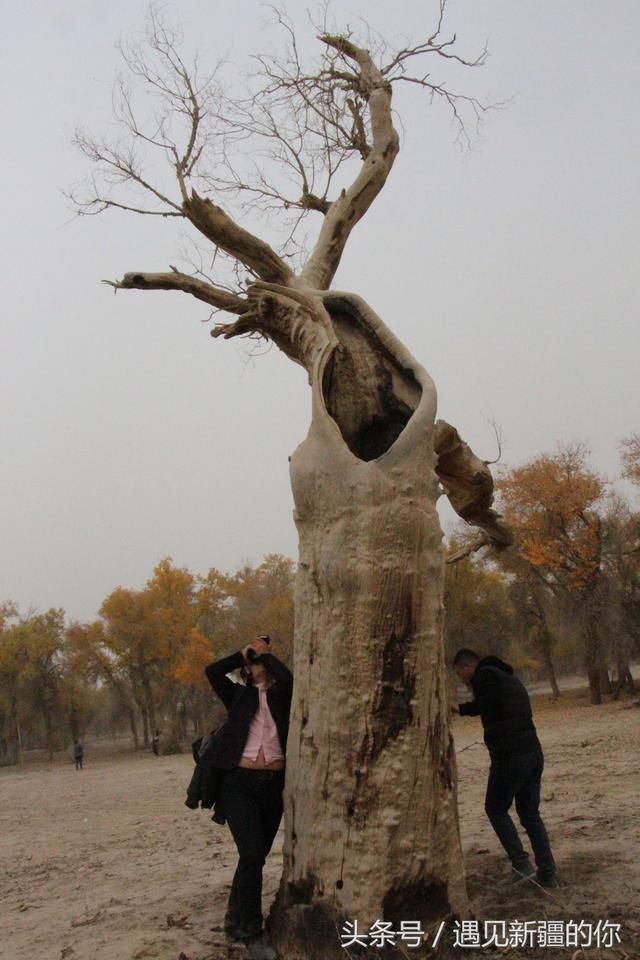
[{"x": 511, "y": 271}]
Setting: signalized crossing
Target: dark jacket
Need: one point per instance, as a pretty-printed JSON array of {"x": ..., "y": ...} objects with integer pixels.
[
  {"x": 502, "y": 703},
  {"x": 221, "y": 750},
  {"x": 205, "y": 787},
  {"x": 242, "y": 703}
]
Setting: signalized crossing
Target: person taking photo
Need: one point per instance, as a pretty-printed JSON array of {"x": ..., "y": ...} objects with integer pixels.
[{"x": 251, "y": 748}]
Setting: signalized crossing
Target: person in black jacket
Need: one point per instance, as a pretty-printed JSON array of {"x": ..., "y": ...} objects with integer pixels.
[
  {"x": 517, "y": 760},
  {"x": 251, "y": 748}
]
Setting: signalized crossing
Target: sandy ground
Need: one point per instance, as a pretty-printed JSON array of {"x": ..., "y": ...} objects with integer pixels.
[{"x": 108, "y": 864}]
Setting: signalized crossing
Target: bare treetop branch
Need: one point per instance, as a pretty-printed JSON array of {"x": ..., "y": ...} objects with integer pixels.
[
  {"x": 297, "y": 141},
  {"x": 353, "y": 203}
]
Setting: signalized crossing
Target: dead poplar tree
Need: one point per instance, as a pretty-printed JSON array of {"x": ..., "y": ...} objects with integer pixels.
[{"x": 371, "y": 819}]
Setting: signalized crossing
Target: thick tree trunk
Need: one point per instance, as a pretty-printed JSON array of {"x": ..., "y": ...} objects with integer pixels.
[{"x": 371, "y": 817}]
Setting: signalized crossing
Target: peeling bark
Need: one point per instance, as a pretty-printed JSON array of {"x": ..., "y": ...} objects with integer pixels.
[
  {"x": 224, "y": 232},
  {"x": 468, "y": 484}
]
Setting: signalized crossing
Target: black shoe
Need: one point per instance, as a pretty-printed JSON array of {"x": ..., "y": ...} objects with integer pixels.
[
  {"x": 519, "y": 874},
  {"x": 548, "y": 882}
]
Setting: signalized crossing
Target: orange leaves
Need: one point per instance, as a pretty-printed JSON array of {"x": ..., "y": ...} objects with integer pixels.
[
  {"x": 551, "y": 503},
  {"x": 188, "y": 668},
  {"x": 171, "y": 608},
  {"x": 168, "y": 632},
  {"x": 261, "y": 601}
]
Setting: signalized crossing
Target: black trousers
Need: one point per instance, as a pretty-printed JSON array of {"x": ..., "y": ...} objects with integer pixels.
[
  {"x": 253, "y": 807},
  {"x": 518, "y": 777}
]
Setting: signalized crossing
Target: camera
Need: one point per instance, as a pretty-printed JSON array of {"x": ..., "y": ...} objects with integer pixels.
[{"x": 252, "y": 656}]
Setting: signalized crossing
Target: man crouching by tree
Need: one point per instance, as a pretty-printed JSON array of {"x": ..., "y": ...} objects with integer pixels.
[
  {"x": 517, "y": 760},
  {"x": 252, "y": 747}
]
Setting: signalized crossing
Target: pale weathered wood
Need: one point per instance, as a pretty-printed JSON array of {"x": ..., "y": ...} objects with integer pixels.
[
  {"x": 344, "y": 213},
  {"x": 224, "y": 232},
  {"x": 200, "y": 289}
]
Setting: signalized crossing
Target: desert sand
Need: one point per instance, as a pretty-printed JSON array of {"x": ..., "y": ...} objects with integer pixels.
[{"x": 108, "y": 864}]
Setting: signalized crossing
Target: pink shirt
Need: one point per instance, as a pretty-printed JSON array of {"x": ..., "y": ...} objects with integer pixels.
[{"x": 263, "y": 733}]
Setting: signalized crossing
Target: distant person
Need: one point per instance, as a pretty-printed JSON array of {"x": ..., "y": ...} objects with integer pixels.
[
  {"x": 155, "y": 742},
  {"x": 252, "y": 751},
  {"x": 517, "y": 761},
  {"x": 78, "y": 754}
]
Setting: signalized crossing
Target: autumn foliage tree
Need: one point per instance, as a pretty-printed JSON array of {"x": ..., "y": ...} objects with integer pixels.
[
  {"x": 478, "y": 609},
  {"x": 92, "y": 657},
  {"x": 150, "y": 646},
  {"x": 142, "y": 661},
  {"x": 42, "y": 700},
  {"x": 261, "y": 601},
  {"x": 554, "y": 506}
]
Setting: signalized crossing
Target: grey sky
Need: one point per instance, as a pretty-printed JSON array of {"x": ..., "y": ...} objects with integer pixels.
[{"x": 511, "y": 271}]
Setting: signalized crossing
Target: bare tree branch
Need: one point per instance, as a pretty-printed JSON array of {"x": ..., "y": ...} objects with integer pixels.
[
  {"x": 353, "y": 203},
  {"x": 222, "y": 230},
  {"x": 298, "y": 129},
  {"x": 497, "y": 432},
  {"x": 207, "y": 292}
]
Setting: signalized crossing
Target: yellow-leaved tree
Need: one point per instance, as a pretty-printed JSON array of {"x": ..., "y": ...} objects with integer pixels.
[{"x": 553, "y": 504}]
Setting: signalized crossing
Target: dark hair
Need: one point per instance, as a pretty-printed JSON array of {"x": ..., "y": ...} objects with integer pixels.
[
  {"x": 246, "y": 675},
  {"x": 465, "y": 656}
]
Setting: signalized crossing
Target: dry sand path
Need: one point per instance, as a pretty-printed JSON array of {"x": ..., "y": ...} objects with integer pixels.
[{"x": 101, "y": 864}]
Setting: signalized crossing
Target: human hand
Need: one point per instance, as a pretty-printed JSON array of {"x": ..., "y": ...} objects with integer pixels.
[{"x": 260, "y": 646}]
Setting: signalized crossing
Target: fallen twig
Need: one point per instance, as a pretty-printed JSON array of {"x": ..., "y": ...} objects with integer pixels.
[{"x": 88, "y": 920}]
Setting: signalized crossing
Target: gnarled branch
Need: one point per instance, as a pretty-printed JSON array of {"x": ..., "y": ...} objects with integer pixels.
[
  {"x": 225, "y": 233},
  {"x": 295, "y": 321},
  {"x": 353, "y": 203},
  {"x": 468, "y": 484},
  {"x": 207, "y": 292}
]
